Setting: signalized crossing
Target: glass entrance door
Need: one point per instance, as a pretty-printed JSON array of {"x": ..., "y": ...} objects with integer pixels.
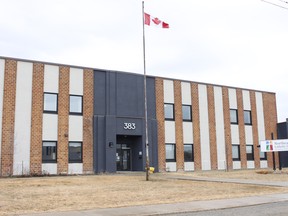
[{"x": 123, "y": 157}]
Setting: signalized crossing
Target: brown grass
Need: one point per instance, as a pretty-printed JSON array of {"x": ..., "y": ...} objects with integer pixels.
[{"x": 43, "y": 194}]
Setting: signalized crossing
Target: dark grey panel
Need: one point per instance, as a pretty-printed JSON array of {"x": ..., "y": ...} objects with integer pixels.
[
  {"x": 99, "y": 93},
  {"x": 99, "y": 144},
  {"x": 130, "y": 126},
  {"x": 110, "y": 151}
]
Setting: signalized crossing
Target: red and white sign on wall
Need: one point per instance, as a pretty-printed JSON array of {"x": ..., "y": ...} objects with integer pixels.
[{"x": 274, "y": 145}]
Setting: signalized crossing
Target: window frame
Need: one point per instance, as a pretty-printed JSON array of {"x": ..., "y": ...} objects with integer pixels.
[
  {"x": 75, "y": 160},
  {"x": 239, "y": 155},
  {"x": 173, "y": 113},
  {"x": 250, "y": 117},
  {"x": 190, "y": 112},
  {"x": 53, "y": 160},
  {"x": 192, "y": 156},
  {"x": 50, "y": 111},
  {"x": 263, "y": 158},
  {"x": 174, "y": 159},
  {"x": 250, "y": 156},
  {"x": 76, "y": 113},
  {"x": 237, "y": 120}
]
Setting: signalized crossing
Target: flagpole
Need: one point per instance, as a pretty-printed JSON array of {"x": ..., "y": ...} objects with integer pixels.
[{"x": 145, "y": 100}]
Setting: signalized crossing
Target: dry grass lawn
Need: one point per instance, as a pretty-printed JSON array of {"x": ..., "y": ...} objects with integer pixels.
[{"x": 43, "y": 194}]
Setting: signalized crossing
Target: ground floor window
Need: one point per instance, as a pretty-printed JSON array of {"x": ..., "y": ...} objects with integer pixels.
[
  {"x": 236, "y": 152},
  {"x": 170, "y": 152},
  {"x": 49, "y": 151},
  {"x": 188, "y": 153},
  {"x": 263, "y": 155},
  {"x": 75, "y": 152},
  {"x": 249, "y": 152}
]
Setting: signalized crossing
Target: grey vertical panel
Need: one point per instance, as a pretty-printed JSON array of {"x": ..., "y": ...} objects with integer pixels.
[
  {"x": 110, "y": 151},
  {"x": 99, "y": 147},
  {"x": 99, "y": 92},
  {"x": 111, "y": 89}
]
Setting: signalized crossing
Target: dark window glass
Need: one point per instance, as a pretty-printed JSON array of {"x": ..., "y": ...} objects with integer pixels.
[
  {"x": 49, "y": 151},
  {"x": 188, "y": 153},
  {"x": 186, "y": 113},
  {"x": 233, "y": 116},
  {"x": 169, "y": 111},
  {"x": 236, "y": 152},
  {"x": 249, "y": 152},
  {"x": 75, "y": 152},
  {"x": 75, "y": 106},
  {"x": 170, "y": 153},
  {"x": 263, "y": 155},
  {"x": 50, "y": 102},
  {"x": 247, "y": 117}
]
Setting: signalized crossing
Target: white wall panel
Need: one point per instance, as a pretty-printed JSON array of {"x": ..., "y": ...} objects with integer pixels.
[
  {"x": 75, "y": 128},
  {"x": 187, "y": 132},
  {"x": 188, "y": 166},
  {"x": 235, "y": 134},
  {"x": 50, "y": 127},
  {"x": 204, "y": 128},
  {"x": 76, "y": 81},
  {"x": 246, "y": 100},
  {"x": 49, "y": 168},
  {"x": 232, "y": 98},
  {"x": 186, "y": 93},
  {"x": 220, "y": 133},
  {"x": 75, "y": 168},
  {"x": 260, "y": 116},
  {"x": 236, "y": 165},
  {"x": 171, "y": 167},
  {"x": 168, "y": 91},
  {"x": 248, "y": 135},
  {"x": 22, "y": 127},
  {"x": 250, "y": 165},
  {"x": 51, "y": 78},
  {"x": 2, "y": 70},
  {"x": 170, "y": 132},
  {"x": 263, "y": 164}
]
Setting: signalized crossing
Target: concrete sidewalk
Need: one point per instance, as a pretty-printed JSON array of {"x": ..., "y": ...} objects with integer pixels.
[{"x": 164, "y": 209}]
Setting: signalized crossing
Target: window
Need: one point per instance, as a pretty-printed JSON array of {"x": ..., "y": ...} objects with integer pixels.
[
  {"x": 234, "y": 116},
  {"x": 170, "y": 153},
  {"x": 236, "y": 152},
  {"x": 169, "y": 111},
  {"x": 50, "y": 102},
  {"x": 247, "y": 117},
  {"x": 188, "y": 153},
  {"x": 49, "y": 151},
  {"x": 249, "y": 152},
  {"x": 186, "y": 113},
  {"x": 263, "y": 155},
  {"x": 75, "y": 152},
  {"x": 75, "y": 106}
]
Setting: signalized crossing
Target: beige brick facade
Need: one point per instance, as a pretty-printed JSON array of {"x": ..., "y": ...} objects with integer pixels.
[{"x": 37, "y": 119}]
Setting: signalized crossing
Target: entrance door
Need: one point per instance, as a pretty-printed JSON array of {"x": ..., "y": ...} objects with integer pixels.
[{"x": 123, "y": 157}]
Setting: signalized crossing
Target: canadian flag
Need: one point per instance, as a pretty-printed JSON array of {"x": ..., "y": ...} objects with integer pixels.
[{"x": 154, "y": 21}]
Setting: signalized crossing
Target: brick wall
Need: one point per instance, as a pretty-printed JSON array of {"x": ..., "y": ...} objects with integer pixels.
[
  {"x": 63, "y": 120},
  {"x": 8, "y": 118},
  {"x": 37, "y": 119},
  {"x": 241, "y": 125},
  {"x": 88, "y": 99},
  {"x": 161, "y": 123},
  {"x": 196, "y": 126},
  {"x": 178, "y": 126}
]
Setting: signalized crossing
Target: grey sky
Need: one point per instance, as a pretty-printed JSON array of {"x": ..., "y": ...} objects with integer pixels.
[{"x": 241, "y": 43}]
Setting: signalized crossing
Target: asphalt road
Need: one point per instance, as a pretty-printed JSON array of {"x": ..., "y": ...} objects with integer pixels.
[{"x": 275, "y": 209}]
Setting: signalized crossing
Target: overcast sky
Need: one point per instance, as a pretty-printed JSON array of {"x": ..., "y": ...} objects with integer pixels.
[{"x": 241, "y": 43}]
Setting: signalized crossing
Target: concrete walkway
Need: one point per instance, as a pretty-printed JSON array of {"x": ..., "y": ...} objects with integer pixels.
[{"x": 164, "y": 209}]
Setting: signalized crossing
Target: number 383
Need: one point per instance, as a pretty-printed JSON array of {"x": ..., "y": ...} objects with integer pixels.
[{"x": 129, "y": 126}]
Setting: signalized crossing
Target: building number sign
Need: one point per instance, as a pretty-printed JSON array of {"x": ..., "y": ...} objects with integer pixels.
[{"x": 129, "y": 126}]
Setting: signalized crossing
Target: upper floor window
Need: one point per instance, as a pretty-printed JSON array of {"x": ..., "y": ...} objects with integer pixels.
[
  {"x": 233, "y": 116},
  {"x": 50, "y": 102},
  {"x": 75, "y": 106},
  {"x": 247, "y": 117},
  {"x": 186, "y": 113},
  {"x": 169, "y": 111}
]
